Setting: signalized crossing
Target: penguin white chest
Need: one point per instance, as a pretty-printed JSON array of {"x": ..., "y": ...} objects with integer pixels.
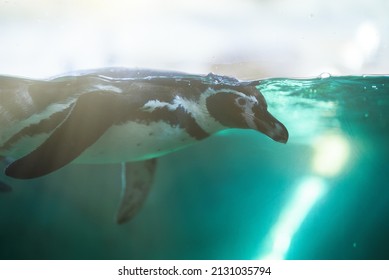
[{"x": 134, "y": 141}]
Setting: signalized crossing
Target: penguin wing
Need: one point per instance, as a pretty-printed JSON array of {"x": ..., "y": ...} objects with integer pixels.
[
  {"x": 137, "y": 178},
  {"x": 92, "y": 114}
]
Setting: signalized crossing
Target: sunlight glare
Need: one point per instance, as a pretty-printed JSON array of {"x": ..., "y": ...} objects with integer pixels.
[
  {"x": 290, "y": 220},
  {"x": 331, "y": 152}
]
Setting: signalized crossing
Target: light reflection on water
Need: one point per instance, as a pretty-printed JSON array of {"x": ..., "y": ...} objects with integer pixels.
[
  {"x": 331, "y": 153},
  {"x": 319, "y": 113}
]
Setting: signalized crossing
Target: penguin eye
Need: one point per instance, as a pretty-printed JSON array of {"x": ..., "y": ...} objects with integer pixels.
[{"x": 241, "y": 101}]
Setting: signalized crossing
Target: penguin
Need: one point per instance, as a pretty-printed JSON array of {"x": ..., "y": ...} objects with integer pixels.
[{"x": 121, "y": 115}]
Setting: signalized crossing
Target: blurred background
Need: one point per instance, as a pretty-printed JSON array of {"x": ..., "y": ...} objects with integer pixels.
[
  {"x": 244, "y": 38},
  {"x": 233, "y": 196}
]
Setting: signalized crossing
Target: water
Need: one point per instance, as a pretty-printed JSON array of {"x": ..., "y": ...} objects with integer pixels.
[{"x": 236, "y": 195}]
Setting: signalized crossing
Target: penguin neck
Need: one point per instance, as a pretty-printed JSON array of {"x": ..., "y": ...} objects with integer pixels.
[{"x": 200, "y": 113}]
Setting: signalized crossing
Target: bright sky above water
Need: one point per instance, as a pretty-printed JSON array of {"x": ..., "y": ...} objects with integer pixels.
[{"x": 247, "y": 39}]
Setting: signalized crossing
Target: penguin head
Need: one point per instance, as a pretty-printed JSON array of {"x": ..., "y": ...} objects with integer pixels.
[{"x": 245, "y": 108}]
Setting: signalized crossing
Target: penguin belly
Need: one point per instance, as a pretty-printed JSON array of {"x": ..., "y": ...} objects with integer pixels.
[{"x": 134, "y": 141}]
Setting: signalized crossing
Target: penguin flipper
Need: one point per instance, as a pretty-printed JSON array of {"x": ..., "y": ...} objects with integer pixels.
[
  {"x": 91, "y": 115},
  {"x": 137, "y": 178}
]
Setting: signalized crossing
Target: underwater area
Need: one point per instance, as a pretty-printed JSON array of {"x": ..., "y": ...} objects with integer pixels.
[{"x": 236, "y": 195}]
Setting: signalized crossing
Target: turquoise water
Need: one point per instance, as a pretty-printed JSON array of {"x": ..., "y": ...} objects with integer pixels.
[{"x": 236, "y": 195}]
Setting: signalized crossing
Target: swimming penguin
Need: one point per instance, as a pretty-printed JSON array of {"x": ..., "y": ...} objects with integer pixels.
[{"x": 120, "y": 115}]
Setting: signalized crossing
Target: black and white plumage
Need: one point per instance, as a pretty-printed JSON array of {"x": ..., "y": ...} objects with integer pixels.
[{"x": 120, "y": 115}]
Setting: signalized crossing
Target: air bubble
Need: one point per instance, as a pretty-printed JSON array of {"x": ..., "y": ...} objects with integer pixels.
[{"x": 325, "y": 75}]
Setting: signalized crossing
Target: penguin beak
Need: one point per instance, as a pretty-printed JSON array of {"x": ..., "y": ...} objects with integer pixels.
[{"x": 271, "y": 127}]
